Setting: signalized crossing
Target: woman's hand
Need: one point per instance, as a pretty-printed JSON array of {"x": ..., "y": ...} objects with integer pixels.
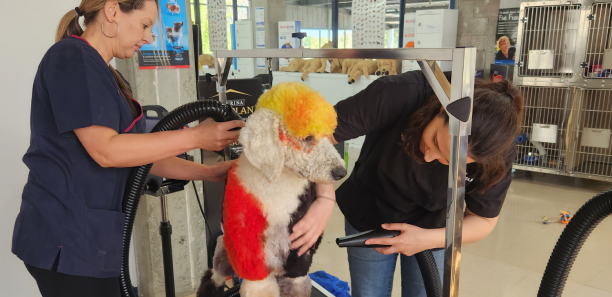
[
  {"x": 412, "y": 240},
  {"x": 218, "y": 172},
  {"x": 307, "y": 231},
  {"x": 213, "y": 136}
]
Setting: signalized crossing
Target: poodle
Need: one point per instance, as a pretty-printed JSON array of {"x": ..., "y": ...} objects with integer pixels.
[{"x": 286, "y": 150}]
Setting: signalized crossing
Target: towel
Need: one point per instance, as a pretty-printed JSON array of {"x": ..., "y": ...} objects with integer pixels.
[{"x": 331, "y": 283}]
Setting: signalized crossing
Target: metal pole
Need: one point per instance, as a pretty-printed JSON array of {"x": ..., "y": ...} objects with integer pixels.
[
  {"x": 222, "y": 66},
  {"x": 165, "y": 230},
  {"x": 401, "y": 23},
  {"x": 235, "y": 9},
  {"x": 335, "y": 6},
  {"x": 461, "y": 86},
  {"x": 198, "y": 21}
]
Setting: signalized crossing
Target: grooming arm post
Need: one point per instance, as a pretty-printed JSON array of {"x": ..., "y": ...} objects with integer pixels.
[
  {"x": 222, "y": 66},
  {"x": 462, "y": 87}
]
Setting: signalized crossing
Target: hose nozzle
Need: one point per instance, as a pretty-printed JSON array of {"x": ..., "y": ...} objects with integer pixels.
[{"x": 359, "y": 239}]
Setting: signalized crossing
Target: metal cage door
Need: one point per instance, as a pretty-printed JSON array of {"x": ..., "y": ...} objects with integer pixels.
[
  {"x": 547, "y": 40},
  {"x": 541, "y": 146},
  {"x": 590, "y": 134},
  {"x": 597, "y": 61}
]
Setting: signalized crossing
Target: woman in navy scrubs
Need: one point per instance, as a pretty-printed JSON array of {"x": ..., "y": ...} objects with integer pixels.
[{"x": 85, "y": 135}]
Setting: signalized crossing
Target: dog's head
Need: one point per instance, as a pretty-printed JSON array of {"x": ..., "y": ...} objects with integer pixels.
[
  {"x": 178, "y": 26},
  {"x": 386, "y": 67},
  {"x": 290, "y": 130}
]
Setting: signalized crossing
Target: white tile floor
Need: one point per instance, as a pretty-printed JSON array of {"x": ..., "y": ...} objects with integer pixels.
[{"x": 510, "y": 262}]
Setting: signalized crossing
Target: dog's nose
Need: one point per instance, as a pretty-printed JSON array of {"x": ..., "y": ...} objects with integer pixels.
[
  {"x": 377, "y": 72},
  {"x": 387, "y": 73},
  {"x": 338, "y": 173}
]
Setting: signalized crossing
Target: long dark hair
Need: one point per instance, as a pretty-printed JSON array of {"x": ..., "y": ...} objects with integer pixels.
[
  {"x": 69, "y": 25},
  {"x": 498, "y": 108}
]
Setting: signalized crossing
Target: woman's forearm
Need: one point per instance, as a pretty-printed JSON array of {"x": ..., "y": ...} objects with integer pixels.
[
  {"x": 475, "y": 228},
  {"x": 177, "y": 168},
  {"x": 326, "y": 191},
  {"x": 110, "y": 149}
]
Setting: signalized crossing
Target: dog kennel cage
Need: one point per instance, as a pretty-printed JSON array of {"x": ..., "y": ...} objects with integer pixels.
[
  {"x": 597, "y": 60},
  {"x": 547, "y": 36},
  {"x": 456, "y": 97},
  {"x": 590, "y": 152},
  {"x": 563, "y": 60},
  {"x": 541, "y": 145}
]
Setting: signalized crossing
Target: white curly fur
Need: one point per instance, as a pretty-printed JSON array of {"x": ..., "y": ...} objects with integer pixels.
[{"x": 277, "y": 174}]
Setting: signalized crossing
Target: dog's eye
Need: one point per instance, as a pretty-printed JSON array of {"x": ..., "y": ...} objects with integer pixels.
[{"x": 310, "y": 138}]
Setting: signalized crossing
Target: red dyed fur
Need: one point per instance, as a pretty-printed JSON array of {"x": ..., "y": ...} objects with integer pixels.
[{"x": 244, "y": 239}]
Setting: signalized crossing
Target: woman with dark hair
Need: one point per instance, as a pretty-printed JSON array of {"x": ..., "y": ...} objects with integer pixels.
[{"x": 400, "y": 179}]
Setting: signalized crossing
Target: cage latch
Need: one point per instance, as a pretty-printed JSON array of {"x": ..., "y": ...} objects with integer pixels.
[
  {"x": 523, "y": 20},
  {"x": 591, "y": 17},
  {"x": 519, "y": 64},
  {"x": 584, "y": 64}
]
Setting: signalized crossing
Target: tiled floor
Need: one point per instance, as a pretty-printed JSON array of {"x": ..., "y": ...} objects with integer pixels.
[{"x": 510, "y": 262}]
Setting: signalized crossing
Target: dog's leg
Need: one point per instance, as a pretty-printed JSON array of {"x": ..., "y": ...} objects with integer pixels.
[
  {"x": 267, "y": 287},
  {"x": 213, "y": 281},
  {"x": 356, "y": 74},
  {"x": 295, "y": 287},
  {"x": 306, "y": 72},
  {"x": 323, "y": 66},
  {"x": 366, "y": 70}
]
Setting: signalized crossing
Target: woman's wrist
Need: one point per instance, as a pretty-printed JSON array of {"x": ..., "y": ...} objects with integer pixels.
[
  {"x": 436, "y": 238},
  {"x": 327, "y": 198}
]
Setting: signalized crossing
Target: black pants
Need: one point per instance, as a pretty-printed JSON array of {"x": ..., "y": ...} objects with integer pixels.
[{"x": 54, "y": 284}]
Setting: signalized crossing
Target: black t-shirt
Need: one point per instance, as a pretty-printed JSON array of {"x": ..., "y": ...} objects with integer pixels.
[{"x": 387, "y": 185}]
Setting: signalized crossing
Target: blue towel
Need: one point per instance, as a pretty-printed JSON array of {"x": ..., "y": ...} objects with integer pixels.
[{"x": 331, "y": 283}]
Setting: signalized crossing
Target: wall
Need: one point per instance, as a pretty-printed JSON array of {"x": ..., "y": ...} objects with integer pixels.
[
  {"x": 33, "y": 26},
  {"x": 477, "y": 27}
]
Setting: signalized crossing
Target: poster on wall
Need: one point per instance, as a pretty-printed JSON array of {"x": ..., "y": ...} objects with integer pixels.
[
  {"x": 409, "y": 29},
  {"x": 286, "y": 40},
  {"x": 368, "y": 17},
  {"x": 409, "y": 38},
  {"x": 506, "y": 36},
  {"x": 259, "y": 17},
  {"x": 169, "y": 46}
]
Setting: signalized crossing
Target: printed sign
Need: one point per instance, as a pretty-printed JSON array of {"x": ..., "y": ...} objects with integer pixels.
[
  {"x": 506, "y": 37},
  {"x": 169, "y": 46}
]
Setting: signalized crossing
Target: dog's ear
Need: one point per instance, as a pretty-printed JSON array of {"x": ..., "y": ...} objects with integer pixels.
[{"x": 261, "y": 144}]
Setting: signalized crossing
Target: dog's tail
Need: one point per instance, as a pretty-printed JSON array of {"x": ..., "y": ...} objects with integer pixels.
[{"x": 213, "y": 281}]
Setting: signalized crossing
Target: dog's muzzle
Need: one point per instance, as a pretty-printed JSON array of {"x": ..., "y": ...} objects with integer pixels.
[{"x": 338, "y": 173}]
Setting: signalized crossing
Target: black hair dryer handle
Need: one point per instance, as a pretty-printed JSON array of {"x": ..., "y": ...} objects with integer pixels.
[
  {"x": 359, "y": 239},
  {"x": 232, "y": 115}
]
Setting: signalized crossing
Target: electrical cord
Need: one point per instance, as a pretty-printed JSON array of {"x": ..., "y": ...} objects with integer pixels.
[
  {"x": 203, "y": 215},
  {"x": 134, "y": 189}
]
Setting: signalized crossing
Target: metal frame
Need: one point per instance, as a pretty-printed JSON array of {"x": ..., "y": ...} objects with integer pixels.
[{"x": 463, "y": 65}]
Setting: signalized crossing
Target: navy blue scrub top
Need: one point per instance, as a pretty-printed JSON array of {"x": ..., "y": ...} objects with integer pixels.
[{"x": 70, "y": 203}]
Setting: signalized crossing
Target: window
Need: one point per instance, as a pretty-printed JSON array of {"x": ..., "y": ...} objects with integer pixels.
[
  {"x": 316, "y": 38},
  {"x": 243, "y": 13}
]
